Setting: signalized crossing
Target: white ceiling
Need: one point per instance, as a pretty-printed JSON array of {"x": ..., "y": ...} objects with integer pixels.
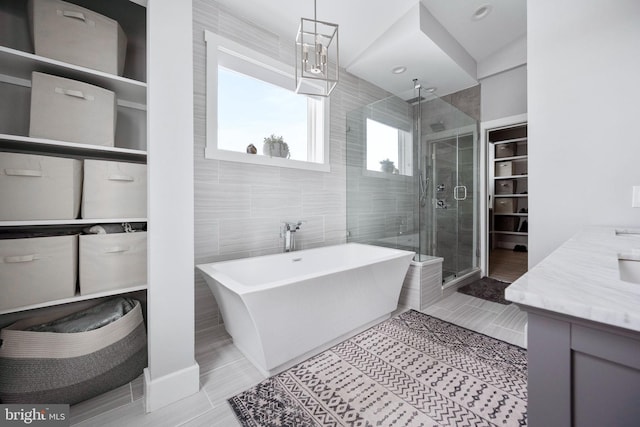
[
  {"x": 506, "y": 22},
  {"x": 372, "y": 40}
]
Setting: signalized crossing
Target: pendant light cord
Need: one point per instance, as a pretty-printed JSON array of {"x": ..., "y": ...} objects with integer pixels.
[{"x": 315, "y": 21}]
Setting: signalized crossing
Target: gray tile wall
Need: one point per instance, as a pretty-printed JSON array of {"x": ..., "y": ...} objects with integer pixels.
[
  {"x": 381, "y": 207},
  {"x": 239, "y": 207},
  {"x": 422, "y": 286}
]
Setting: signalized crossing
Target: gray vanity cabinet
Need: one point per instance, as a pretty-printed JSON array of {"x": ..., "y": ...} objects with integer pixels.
[{"x": 581, "y": 373}]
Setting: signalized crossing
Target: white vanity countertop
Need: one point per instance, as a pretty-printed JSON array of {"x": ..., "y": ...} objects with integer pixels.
[{"x": 581, "y": 279}]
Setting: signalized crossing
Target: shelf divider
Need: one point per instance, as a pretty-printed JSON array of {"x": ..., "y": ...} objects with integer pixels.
[
  {"x": 75, "y": 298},
  {"x": 51, "y": 146},
  {"x": 19, "y": 64}
]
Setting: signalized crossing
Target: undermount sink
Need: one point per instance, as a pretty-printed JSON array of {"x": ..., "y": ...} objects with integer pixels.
[{"x": 629, "y": 266}]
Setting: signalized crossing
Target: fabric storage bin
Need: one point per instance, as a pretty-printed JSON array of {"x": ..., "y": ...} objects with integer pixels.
[
  {"x": 506, "y": 223},
  {"x": 521, "y": 148},
  {"x": 504, "y": 168},
  {"x": 504, "y": 150},
  {"x": 505, "y": 186},
  {"x": 39, "y": 187},
  {"x": 73, "y": 111},
  {"x": 76, "y": 35},
  {"x": 504, "y": 205},
  {"x": 38, "y": 269},
  {"x": 112, "y": 261},
  {"x": 114, "y": 190},
  {"x": 520, "y": 167},
  {"x": 60, "y": 367}
]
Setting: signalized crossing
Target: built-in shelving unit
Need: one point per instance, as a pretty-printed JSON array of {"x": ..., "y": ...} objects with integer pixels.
[
  {"x": 508, "y": 154},
  {"x": 76, "y": 298},
  {"x": 83, "y": 222},
  {"x": 17, "y": 66},
  {"x": 26, "y": 144},
  {"x": 18, "y": 62}
]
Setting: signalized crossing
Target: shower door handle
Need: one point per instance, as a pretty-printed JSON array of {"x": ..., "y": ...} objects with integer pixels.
[{"x": 456, "y": 192}]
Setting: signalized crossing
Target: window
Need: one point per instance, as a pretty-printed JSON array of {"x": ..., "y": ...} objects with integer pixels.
[
  {"x": 250, "y": 99},
  {"x": 389, "y": 149}
]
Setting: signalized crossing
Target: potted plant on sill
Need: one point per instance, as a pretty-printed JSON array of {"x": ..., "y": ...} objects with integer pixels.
[
  {"x": 387, "y": 166},
  {"x": 274, "y": 146}
]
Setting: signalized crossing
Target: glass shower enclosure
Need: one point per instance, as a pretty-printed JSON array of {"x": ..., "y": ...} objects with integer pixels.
[{"x": 412, "y": 180}]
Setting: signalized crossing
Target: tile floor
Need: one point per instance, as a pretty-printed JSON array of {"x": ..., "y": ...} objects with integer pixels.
[{"x": 225, "y": 372}]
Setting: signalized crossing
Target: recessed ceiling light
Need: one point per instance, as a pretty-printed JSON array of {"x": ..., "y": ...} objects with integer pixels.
[
  {"x": 481, "y": 12},
  {"x": 399, "y": 70},
  {"x": 431, "y": 89}
]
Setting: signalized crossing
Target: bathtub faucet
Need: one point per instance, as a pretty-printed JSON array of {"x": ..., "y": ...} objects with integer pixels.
[{"x": 287, "y": 231}]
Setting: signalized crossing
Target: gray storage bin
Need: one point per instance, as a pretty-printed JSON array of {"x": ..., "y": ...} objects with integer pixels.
[
  {"x": 505, "y": 186},
  {"x": 506, "y": 223},
  {"x": 504, "y": 168},
  {"x": 505, "y": 205},
  {"x": 112, "y": 261},
  {"x": 73, "y": 111},
  {"x": 39, "y": 187},
  {"x": 76, "y": 35},
  {"x": 504, "y": 150},
  {"x": 37, "y": 270},
  {"x": 114, "y": 190}
]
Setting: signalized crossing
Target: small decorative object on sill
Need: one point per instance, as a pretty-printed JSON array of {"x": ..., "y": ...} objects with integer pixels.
[
  {"x": 387, "y": 166},
  {"x": 251, "y": 149},
  {"x": 274, "y": 146}
]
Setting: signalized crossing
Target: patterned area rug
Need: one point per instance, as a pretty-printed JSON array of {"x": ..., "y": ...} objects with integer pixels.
[
  {"x": 488, "y": 289},
  {"x": 411, "y": 370}
]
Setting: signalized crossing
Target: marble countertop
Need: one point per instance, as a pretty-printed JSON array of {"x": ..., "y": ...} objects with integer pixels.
[{"x": 581, "y": 279}]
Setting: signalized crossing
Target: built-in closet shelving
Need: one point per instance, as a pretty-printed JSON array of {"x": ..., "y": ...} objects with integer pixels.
[
  {"x": 509, "y": 187},
  {"x": 17, "y": 62}
]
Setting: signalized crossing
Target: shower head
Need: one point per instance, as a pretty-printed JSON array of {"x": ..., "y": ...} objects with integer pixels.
[
  {"x": 416, "y": 85},
  {"x": 415, "y": 100}
]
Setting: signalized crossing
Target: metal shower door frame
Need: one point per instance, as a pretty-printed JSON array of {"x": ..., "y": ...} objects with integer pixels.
[{"x": 459, "y": 192}]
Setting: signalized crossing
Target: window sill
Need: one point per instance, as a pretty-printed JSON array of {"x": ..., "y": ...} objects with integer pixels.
[
  {"x": 379, "y": 174},
  {"x": 258, "y": 159}
]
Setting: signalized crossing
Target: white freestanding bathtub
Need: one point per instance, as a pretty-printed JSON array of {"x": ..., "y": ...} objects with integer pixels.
[{"x": 281, "y": 309}]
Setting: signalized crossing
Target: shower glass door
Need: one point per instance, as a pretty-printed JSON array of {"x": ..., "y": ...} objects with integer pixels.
[
  {"x": 412, "y": 179},
  {"x": 453, "y": 233}
]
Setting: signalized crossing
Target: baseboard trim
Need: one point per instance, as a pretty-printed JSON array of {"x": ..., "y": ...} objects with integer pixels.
[{"x": 168, "y": 389}]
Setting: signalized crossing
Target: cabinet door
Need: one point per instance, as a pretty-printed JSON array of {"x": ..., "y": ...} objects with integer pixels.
[{"x": 604, "y": 393}]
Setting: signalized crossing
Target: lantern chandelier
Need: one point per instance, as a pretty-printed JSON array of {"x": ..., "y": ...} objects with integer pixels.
[{"x": 316, "y": 56}]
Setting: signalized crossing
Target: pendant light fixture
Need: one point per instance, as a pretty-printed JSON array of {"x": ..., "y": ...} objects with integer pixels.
[{"x": 316, "y": 56}]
